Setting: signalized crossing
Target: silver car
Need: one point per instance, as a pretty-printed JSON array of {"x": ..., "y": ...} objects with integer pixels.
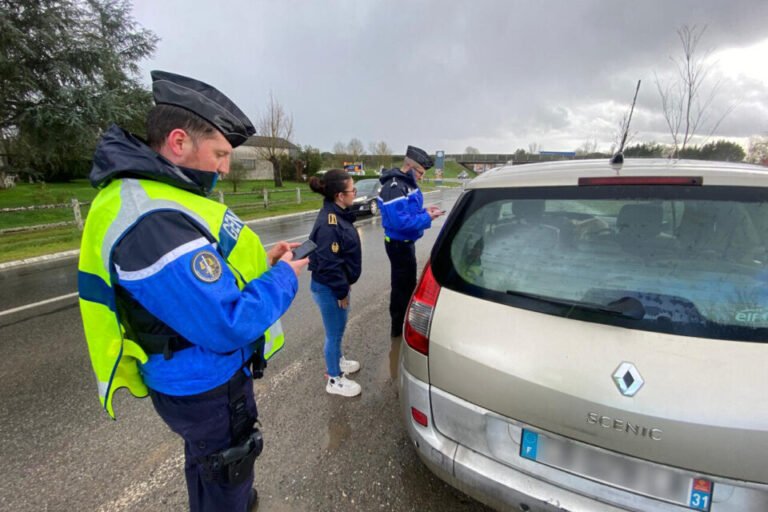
[{"x": 589, "y": 337}]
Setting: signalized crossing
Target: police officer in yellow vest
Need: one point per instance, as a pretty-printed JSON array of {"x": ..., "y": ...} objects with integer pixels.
[{"x": 179, "y": 299}]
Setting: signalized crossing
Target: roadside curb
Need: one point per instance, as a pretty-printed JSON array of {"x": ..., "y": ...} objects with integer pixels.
[{"x": 39, "y": 259}]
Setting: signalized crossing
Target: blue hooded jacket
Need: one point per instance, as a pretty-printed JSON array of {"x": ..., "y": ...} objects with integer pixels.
[
  {"x": 402, "y": 206},
  {"x": 163, "y": 297}
]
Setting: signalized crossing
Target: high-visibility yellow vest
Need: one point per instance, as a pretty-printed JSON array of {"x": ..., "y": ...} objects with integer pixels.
[{"x": 116, "y": 209}]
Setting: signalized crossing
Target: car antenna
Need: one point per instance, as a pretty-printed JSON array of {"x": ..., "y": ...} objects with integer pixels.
[{"x": 618, "y": 158}]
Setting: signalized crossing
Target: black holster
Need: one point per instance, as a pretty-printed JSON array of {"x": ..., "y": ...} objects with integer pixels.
[{"x": 234, "y": 465}]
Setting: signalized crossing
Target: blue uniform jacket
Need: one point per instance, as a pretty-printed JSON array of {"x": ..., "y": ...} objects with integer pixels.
[
  {"x": 337, "y": 261},
  {"x": 402, "y": 206},
  {"x": 158, "y": 292}
]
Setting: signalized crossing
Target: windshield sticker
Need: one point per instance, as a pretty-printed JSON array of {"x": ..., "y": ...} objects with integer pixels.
[{"x": 752, "y": 316}]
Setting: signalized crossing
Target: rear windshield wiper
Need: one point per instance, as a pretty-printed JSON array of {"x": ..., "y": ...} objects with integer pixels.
[{"x": 628, "y": 307}]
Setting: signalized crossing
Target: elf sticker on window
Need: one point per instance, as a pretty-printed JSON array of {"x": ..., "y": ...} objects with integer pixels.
[{"x": 752, "y": 316}]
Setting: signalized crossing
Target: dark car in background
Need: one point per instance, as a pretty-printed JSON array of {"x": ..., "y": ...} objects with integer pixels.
[{"x": 365, "y": 202}]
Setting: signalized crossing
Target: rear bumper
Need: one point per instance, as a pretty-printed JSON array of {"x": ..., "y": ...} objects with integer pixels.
[
  {"x": 484, "y": 479},
  {"x": 531, "y": 486}
]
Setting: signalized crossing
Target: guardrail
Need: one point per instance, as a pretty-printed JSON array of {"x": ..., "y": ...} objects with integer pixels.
[{"x": 266, "y": 198}]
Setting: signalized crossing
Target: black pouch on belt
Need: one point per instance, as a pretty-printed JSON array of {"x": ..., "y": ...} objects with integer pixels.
[{"x": 257, "y": 361}]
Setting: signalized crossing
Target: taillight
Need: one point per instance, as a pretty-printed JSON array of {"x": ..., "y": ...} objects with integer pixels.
[{"x": 419, "y": 315}]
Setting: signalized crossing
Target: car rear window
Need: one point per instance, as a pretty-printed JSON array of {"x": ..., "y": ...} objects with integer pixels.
[{"x": 685, "y": 260}]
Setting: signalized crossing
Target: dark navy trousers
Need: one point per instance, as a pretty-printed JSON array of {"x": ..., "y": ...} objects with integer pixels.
[
  {"x": 402, "y": 259},
  {"x": 203, "y": 421}
]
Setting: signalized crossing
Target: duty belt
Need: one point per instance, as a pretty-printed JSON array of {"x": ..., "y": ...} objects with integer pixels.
[
  {"x": 389, "y": 240},
  {"x": 166, "y": 344}
]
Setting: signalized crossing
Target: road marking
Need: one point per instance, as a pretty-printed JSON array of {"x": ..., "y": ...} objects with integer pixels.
[
  {"x": 37, "y": 304},
  {"x": 137, "y": 491}
]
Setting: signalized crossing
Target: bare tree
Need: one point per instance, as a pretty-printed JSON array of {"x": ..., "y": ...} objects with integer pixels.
[
  {"x": 471, "y": 150},
  {"x": 277, "y": 126},
  {"x": 339, "y": 148},
  {"x": 355, "y": 148},
  {"x": 381, "y": 152},
  {"x": 758, "y": 150},
  {"x": 588, "y": 147},
  {"x": 237, "y": 174},
  {"x": 684, "y": 102},
  {"x": 533, "y": 148},
  {"x": 383, "y": 149}
]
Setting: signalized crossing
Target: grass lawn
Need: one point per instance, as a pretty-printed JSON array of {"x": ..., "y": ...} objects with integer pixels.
[{"x": 14, "y": 246}]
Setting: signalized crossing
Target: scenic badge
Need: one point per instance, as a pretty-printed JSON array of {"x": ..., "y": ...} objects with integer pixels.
[{"x": 206, "y": 267}]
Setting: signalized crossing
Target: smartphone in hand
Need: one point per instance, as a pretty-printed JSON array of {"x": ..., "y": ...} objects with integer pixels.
[{"x": 304, "y": 250}]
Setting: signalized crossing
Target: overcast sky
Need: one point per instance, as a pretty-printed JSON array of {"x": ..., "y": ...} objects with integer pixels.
[{"x": 447, "y": 74}]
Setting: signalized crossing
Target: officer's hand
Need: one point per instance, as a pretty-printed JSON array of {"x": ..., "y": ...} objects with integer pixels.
[
  {"x": 344, "y": 303},
  {"x": 296, "y": 265},
  {"x": 279, "y": 249},
  {"x": 434, "y": 212}
]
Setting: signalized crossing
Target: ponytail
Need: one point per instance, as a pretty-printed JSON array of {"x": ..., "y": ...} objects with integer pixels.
[{"x": 330, "y": 183}]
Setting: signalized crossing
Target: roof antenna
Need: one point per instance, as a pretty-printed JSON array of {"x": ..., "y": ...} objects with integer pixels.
[{"x": 618, "y": 157}]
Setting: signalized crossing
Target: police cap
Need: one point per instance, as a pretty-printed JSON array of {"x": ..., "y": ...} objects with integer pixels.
[
  {"x": 419, "y": 156},
  {"x": 205, "y": 101}
]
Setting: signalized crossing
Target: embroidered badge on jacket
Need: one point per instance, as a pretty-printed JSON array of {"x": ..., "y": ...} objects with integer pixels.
[
  {"x": 335, "y": 247},
  {"x": 332, "y": 219},
  {"x": 206, "y": 267}
]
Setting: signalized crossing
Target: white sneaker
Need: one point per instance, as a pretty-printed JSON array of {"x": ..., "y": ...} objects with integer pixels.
[
  {"x": 342, "y": 386},
  {"x": 348, "y": 366}
]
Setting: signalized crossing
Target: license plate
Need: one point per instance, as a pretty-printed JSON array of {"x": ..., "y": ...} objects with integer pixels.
[{"x": 632, "y": 475}]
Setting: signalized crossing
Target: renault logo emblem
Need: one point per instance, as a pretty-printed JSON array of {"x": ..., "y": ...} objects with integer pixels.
[{"x": 628, "y": 379}]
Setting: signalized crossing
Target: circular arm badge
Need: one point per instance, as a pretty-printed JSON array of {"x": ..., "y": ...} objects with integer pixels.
[{"x": 206, "y": 267}]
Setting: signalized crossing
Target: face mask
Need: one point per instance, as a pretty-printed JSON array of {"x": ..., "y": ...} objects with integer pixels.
[{"x": 214, "y": 182}]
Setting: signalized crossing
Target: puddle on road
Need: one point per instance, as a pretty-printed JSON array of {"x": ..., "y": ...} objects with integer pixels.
[
  {"x": 394, "y": 357},
  {"x": 338, "y": 424},
  {"x": 388, "y": 369}
]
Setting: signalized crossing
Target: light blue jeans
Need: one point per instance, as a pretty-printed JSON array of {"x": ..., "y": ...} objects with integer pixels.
[{"x": 335, "y": 321}]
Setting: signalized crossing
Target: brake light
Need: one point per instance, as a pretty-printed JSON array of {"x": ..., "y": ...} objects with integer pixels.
[
  {"x": 642, "y": 180},
  {"x": 418, "y": 318}
]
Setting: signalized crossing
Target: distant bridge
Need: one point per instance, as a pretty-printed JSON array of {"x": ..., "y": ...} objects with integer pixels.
[{"x": 488, "y": 160}]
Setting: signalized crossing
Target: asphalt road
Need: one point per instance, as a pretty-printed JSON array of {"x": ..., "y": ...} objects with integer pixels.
[{"x": 60, "y": 452}]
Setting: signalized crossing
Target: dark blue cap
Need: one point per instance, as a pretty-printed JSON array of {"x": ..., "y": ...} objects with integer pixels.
[
  {"x": 419, "y": 156},
  {"x": 205, "y": 101}
]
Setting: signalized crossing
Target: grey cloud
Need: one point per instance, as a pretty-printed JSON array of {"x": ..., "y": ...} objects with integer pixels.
[{"x": 439, "y": 72}]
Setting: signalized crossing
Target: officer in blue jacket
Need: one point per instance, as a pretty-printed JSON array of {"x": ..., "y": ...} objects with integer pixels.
[
  {"x": 404, "y": 218},
  {"x": 201, "y": 333}
]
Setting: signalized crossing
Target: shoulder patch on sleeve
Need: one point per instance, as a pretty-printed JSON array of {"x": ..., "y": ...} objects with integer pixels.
[
  {"x": 206, "y": 266},
  {"x": 332, "y": 219}
]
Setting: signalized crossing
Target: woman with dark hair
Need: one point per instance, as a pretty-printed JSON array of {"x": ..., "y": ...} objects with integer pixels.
[{"x": 335, "y": 267}]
